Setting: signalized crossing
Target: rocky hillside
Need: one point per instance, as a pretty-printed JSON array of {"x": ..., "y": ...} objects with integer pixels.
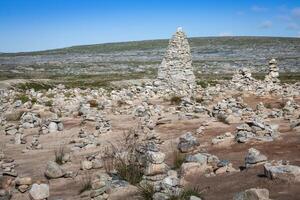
[{"x": 210, "y": 55}]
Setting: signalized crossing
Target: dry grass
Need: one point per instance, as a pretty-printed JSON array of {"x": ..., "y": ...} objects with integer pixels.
[
  {"x": 123, "y": 159},
  {"x": 85, "y": 183}
]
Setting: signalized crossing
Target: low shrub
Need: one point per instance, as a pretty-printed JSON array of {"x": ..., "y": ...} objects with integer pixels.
[{"x": 175, "y": 100}]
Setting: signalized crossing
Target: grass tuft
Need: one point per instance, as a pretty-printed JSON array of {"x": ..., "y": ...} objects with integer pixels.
[
  {"x": 59, "y": 154},
  {"x": 85, "y": 184}
]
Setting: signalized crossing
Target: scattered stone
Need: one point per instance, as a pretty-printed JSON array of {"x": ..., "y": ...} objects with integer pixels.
[
  {"x": 252, "y": 194},
  {"x": 39, "y": 191}
]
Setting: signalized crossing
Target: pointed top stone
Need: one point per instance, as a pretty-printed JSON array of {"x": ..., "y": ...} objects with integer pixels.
[{"x": 179, "y": 29}]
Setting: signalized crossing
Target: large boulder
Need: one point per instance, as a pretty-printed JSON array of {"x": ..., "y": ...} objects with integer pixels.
[
  {"x": 53, "y": 170},
  {"x": 39, "y": 191},
  {"x": 280, "y": 171}
]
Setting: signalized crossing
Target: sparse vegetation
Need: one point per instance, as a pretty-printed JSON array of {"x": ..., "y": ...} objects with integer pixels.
[
  {"x": 175, "y": 100},
  {"x": 187, "y": 193},
  {"x": 59, "y": 155},
  {"x": 93, "y": 103},
  {"x": 178, "y": 159},
  {"x": 33, "y": 100},
  {"x": 37, "y": 86},
  {"x": 85, "y": 184},
  {"x": 123, "y": 159},
  {"x": 222, "y": 118},
  {"x": 146, "y": 192},
  {"x": 23, "y": 97},
  {"x": 49, "y": 103}
]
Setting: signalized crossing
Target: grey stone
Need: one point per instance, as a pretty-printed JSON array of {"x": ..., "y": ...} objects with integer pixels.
[
  {"x": 53, "y": 170},
  {"x": 39, "y": 191}
]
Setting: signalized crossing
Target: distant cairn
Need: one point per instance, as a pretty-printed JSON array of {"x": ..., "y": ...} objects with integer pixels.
[
  {"x": 272, "y": 76},
  {"x": 175, "y": 73}
]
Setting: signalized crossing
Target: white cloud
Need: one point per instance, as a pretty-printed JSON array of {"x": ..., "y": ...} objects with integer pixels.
[
  {"x": 258, "y": 8},
  {"x": 284, "y": 17},
  {"x": 240, "y": 13},
  {"x": 296, "y": 12},
  {"x": 293, "y": 26},
  {"x": 266, "y": 24},
  {"x": 224, "y": 34}
]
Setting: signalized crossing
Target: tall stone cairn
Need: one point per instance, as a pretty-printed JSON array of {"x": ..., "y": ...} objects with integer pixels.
[
  {"x": 175, "y": 73},
  {"x": 272, "y": 76}
]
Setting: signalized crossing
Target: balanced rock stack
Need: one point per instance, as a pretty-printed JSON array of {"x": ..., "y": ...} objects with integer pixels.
[
  {"x": 243, "y": 79},
  {"x": 175, "y": 73},
  {"x": 272, "y": 76}
]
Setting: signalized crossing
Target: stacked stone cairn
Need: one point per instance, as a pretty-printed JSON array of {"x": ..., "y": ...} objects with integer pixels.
[
  {"x": 243, "y": 80},
  {"x": 30, "y": 120},
  {"x": 255, "y": 129},
  {"x": 175, "y": 74},
  {"x": 7, "y": 165},
  {"x": 272, "y": 76},
  {"x": 157, "y": 174},
  {"x": 231, "y": 110},
  {"x": 35, "y": 144}
]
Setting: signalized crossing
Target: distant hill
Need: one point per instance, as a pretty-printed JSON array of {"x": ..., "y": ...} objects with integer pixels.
[
  {"x": 210, "y": 55},
  {"x": 158, "y": 44}
]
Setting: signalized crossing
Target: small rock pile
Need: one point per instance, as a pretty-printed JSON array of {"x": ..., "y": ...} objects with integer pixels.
[
  {"x": 23, "y": 183},
  {"x": 30, "y": 120},
  {"x": 204, "y": 163},
  {"x": 243, "y": 80},
  {"x": 35, "y": 144},
  {"x": 93, "y": 161},
  {"x": 254, "y": 158},
  {"x": 101, "y": 183},
  {"x": 225, "y": 139},
  {"x": 255, "y": 129},
  {"x": 231, "y": 110},
  {"x": 272, "y": 76},
  {"x": 85, "y": 140},
  {"x": 7, "y": 165},
  {"x": 102, "y": 125},
  {"x": 187, "y": 143}
]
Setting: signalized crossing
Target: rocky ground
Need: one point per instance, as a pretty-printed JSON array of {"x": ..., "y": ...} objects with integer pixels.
[{"x": 223, "y": 140}]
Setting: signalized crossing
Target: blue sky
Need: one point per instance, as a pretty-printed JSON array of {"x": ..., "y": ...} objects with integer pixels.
[{"x": 29, "y": 25}]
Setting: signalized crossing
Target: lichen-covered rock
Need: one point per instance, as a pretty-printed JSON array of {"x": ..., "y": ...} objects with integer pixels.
[
  {"x": 187, "y": 143},
  {"x": 280, "y": 171},
  {"x": 53, "y": 170},
  {"x": 39, "y": 191}
]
